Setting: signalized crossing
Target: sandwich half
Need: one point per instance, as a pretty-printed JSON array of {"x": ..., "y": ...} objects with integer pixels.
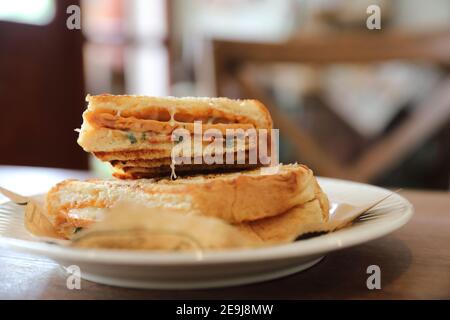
[
  {"x": 262, "y": 205},
  {"x": 137, "y": 134}
]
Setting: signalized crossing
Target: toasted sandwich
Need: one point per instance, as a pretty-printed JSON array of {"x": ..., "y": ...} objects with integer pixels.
[
  {"x": 136, "y": 134},
  {"x": 270, "y": 207}
]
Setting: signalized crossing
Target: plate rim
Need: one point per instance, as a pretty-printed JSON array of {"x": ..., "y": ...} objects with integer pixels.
[{"x": 315, "y": 246}]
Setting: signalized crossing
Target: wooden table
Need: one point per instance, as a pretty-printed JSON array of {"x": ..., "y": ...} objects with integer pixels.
[{"x": 414, "y": 262}]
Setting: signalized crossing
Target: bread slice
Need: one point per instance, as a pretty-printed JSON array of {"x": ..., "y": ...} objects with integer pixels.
[
  {"x": 234, "y": 197},
  {"x": 143, "y": 228},
  {"x": 140, "y": 128},
  {"x": 149, "y": 168}
]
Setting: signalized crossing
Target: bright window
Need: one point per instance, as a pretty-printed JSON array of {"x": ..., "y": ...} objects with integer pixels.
[{"x": 38, "y": 12}]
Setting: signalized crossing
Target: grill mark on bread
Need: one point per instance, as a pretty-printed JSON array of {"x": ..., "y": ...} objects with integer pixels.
[
  {"x": 111, "y": 121},
  {"x": 126, "y": 154},
  {"x": 182, "y": 170},
  {"x": 187, "y": 108},
  {"x": 133, "y": 162}
]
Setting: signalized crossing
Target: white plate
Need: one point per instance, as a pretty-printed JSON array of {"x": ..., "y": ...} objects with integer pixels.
[{"x": 139, "y": 269}]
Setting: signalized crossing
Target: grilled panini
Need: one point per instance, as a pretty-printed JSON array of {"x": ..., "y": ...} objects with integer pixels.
[
  {"x": 247, "y": 199},
  {"x": 136, "y": 133}
]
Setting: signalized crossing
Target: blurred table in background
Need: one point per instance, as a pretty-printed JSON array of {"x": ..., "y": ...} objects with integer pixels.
[{"x": 414, "y": 260}]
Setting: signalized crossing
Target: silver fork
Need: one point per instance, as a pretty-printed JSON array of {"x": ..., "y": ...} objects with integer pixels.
[{"x": 345, "y": 214}]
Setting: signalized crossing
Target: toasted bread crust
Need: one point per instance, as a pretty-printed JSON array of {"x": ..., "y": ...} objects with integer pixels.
[
  {"x": 251, "y": 109},
  {"x": 235, "y": 197},
  {"x": 285, "y": 227}
]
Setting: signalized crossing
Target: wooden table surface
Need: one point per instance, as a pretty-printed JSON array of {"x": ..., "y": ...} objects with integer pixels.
[{"x": 414, "y": 263}]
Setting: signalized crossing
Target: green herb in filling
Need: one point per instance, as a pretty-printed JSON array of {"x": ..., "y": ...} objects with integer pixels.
[
  {"x": 77, "y": 229},
  {"x": 132, "y": 138}
]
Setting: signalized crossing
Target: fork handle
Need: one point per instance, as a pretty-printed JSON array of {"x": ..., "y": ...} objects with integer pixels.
[{"x": 14, "y": 197}]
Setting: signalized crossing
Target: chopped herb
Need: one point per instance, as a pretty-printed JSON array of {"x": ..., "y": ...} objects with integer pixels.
[
  {"x": 77, "y": 229},
  {"x": 143, "y": 136},
  {"x": 132, "y": 138}
]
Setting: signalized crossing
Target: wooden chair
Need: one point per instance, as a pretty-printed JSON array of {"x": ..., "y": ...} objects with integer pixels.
[{"x": 232, "y": 69}]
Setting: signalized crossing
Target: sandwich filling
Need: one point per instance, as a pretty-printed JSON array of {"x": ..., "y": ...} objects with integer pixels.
[{"x": 135, "y": 128}]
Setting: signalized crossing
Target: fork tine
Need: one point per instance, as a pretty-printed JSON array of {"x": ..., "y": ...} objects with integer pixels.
[{"x": 372, "y": 214}]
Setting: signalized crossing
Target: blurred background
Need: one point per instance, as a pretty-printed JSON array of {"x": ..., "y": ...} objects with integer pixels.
[{"x": 352, "y": 103}]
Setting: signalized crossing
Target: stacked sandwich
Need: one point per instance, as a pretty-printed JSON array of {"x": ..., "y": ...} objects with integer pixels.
[
  {"x": 137, "y": 134},
  {"x": 219, "y": 205}
]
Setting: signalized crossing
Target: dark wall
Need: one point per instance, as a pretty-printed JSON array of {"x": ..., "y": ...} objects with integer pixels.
[{"x": 41, "y": 93}]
